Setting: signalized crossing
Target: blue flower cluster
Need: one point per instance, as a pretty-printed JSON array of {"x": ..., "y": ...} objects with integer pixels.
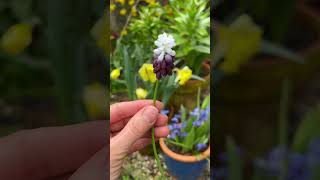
[
  {"x": 175, "y": 127},
  {"x": 201, "y": 147},
  {"x": 164, "y": 112},
  {"x": 202, "y": 116},
  {"x": 300, "y": 166}
]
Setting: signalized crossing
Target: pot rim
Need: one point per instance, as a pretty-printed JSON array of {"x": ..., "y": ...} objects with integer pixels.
[{"x": 183, "y": 158}]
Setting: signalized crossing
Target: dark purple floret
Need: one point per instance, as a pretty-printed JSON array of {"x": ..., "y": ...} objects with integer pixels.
[{"x": 163, "y": 67}]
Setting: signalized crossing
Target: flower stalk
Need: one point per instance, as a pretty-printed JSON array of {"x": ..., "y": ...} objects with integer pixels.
[{"x": 153, "y": 138}]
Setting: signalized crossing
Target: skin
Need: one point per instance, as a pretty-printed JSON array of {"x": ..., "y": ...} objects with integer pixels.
[
  {"x": 130, "y": 128},
  {"x": 80, "y": 151}
]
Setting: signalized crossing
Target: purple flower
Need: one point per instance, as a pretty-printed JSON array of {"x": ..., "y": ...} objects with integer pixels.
[
  {"x": 201, "y": 147},
  {"x": 197, "y": 123},
  {"x": 195, "y": 112},
  {"x": 164, "y": 56},
  {"x": 164, "y": 112}
]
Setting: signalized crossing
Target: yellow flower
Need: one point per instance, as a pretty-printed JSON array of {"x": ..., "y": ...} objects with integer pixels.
[
  {"x": 124, "y": 32},
  {"x": 94, "y": 96},
  {"x": 141, "y": 93},
  {"x": 123, "y": 12},
  {"x": 121, "y": 1},
  {"x": 134, "y": 11},
  {"x": 147, "y": 74},
  {"x": 115, "y": 73},
  {"x": 112, "y": 7},
  {"x": 131, "y": 2},
  {"x": 16, "y": 39},
  {"x": 183, "y": 75},
  {"x": 150, "y": 2}
]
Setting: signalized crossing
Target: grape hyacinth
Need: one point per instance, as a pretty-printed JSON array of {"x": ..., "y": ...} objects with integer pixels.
[
  {"x": 164, "y": 56},
  {"x": 201, "y": 147}
]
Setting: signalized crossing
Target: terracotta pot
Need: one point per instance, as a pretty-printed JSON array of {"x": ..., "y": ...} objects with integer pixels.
[
  {"x": 183, "y": 158},
  {"x": 187, "y": 94},
  {"x": 183, "y": 166}
]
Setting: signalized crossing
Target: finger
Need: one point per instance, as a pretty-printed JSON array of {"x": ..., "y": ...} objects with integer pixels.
[
  {"x": 159, "y": 132},
  {"x": 136, "y": 128},
  {"x": 94, "y": 168},
  {"x": 161, "y": 121},
  {"x": 120, "y": 111},
  {"x": 140, "y": 144},
  {"x": 47, "y": 152}
]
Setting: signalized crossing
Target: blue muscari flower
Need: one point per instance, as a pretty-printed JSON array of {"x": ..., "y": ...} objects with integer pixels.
[
  {"x": 175, "y": 120},
  {"x": 184, "y": 134},
  {"x": 178, "y": 116},
  {"x": 164, "y": 112},
  {"x": 201, "y": 147},
  {"x": 314, "y": 153},
  {"x": 195, "y": 112},
  {"x": 196, "y": 123},
  {"x": 297, "y": 169}
]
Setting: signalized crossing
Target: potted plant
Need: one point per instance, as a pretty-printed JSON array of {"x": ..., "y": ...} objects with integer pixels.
[
  {"x": 187, "y": 148},
  {"x": 190, "y": 26}
]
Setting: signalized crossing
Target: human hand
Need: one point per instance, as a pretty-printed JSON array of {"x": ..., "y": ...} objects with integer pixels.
[
  {"x": 70, "y": 152},
  {"x": 130, "y": 129}
]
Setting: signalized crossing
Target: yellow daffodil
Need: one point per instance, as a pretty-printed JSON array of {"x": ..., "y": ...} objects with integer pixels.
[
  {"x": 124, "y": 32},
  {"x": 150, "y": 2},
  {"x": 16, "y": 39},
  {"x": 147, "y": 74},
  {"x": 183, "y": 75},
  {"x": 112, "y": 7},
  {"x": 123, "y": 12},
  {"x": 131, "y": 2},
  {"x": 94, "y": 96},
  {"x": 141, "y": 93},
  {"x": 115, "y": 73},
  {"x": 121, "y": 1},
  {"x": 134, "y": 11}
]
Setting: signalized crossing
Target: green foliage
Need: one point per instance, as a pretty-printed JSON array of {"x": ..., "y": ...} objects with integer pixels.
[
  {"x": 307, "y": 130},
  {"x": 190, "y": 25},
  {"x": 195, "y": 134},
  {"x": 234, "y": 162}
]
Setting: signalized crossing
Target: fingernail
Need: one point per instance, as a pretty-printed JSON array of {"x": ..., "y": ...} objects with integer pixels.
[{"x": 151, "y": 113}]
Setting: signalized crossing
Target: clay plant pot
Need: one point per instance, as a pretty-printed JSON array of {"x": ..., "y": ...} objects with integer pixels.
[
  {"x": 183, "y": 166},
  {"x": 186, "y": 94}
]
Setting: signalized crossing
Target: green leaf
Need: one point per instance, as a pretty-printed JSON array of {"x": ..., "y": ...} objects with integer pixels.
[
  {"x": 276, "y": 50},
  {"x": 206, "y": 102},
  {"x": 202, "y": 49},
  {"x": 205, "y": 40},
  {"x": 189, "y": 140},
  {"x": 234, "y": 162},
  {"x": 307, "y": 130},
  {"x": 129, "y": 74}
]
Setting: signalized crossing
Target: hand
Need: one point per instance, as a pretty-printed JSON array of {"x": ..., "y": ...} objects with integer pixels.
[
  {"x": 70, "y": 152},
  {"x": 130, "y": 128}
]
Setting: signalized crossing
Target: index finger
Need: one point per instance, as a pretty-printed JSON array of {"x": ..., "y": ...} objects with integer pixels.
[{"x": 122, "y": 110}]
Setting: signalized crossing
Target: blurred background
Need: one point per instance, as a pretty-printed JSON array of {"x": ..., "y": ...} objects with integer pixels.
[
  {"x": 53, "y": 63},
  {"x": 266, "y": 89}
]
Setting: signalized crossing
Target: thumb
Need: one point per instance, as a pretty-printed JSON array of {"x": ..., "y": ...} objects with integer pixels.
[{"x": 138, "y": 126}]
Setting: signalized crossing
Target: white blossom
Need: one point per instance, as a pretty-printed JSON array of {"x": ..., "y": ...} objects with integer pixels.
[{"x": 164, "y": 44}]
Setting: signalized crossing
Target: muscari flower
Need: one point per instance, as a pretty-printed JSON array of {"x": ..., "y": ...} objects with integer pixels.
[
  {"x": 115, "y": 73},
  {"x": 141, "y": 93},
  {"x": 201, "y": 147},
  {"x": 164, "y": 112},
  {"x": 164, "y": 56}
]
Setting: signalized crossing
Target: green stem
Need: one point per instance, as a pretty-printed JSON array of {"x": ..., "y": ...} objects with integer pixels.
[
  {"x": 153, "y": 138},
  {"x": 178, "y": 144}
]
